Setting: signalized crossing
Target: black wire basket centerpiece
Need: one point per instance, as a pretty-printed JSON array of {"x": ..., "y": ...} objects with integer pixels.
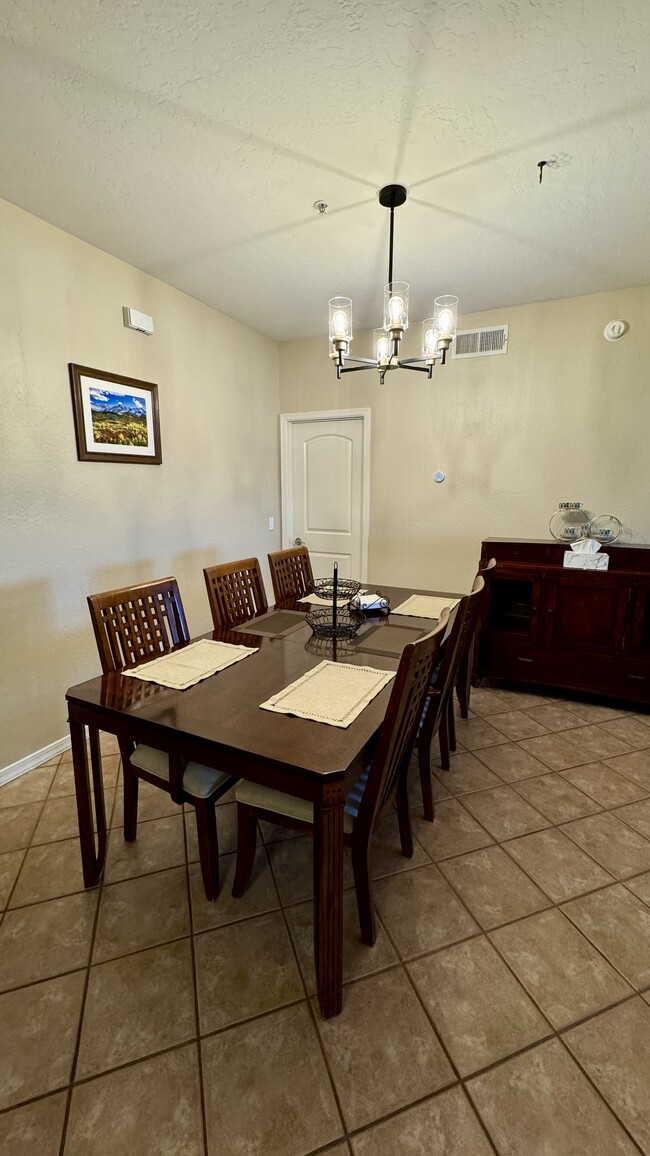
[
  {"x": 326, "y": 624},
  {"x": 346, "y": 588}
]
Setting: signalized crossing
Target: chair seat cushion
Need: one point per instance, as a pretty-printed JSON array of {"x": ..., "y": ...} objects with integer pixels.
[
  {"x": 198, "y": 781},
  {"x": 277, "y": 803}
]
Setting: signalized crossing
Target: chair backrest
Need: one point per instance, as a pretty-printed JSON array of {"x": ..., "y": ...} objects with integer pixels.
[
  {"x": 399, "y": 728},
  {"x": 235, "y": 592},
  {"x": 460, "y": 638},
  {"x": 137, "y": 622},
  {"x": 291, "y": 573}
]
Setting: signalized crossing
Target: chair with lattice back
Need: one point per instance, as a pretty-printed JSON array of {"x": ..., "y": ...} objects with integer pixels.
[
  {"x": 291, "y": 574},
  {"x": 382, "y": 786},
  {"x": 235, "y": 592},
  {"x": 131, "y": 625}
]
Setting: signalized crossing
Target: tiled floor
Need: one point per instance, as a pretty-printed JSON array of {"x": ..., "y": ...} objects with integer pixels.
[{"x": 504, "y": 1008}]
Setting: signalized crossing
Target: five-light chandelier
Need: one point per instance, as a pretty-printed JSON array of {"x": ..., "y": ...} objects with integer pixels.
[{"x": 438, "y": 331}]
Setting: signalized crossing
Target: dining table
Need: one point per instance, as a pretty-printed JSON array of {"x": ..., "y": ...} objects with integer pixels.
[{"x": 218, "y": 722}]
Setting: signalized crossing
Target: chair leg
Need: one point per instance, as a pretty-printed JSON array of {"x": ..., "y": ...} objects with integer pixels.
[
  {"x": 404, "y": 818},
  {"x": 443, "y": 738},
  {"x": 426, "y": 783},
  {"x": 464, "y": 681},
  {"x": 361, "y": 869},
  {"x": 451, "y": 721},
  {"x": 131, "y": 783},
  {"x": 206, "y": 827},
  {"x": 246, "y": 839}
]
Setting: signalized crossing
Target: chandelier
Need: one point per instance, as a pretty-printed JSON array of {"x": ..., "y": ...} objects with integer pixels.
[{"x": 438, "y": 331}]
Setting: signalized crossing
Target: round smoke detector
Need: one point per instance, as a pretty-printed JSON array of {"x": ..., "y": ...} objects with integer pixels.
[{"x": 614, "y": 330}]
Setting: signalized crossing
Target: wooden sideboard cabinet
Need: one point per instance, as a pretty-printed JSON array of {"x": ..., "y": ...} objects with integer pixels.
[{"x": 583, "y": 630}]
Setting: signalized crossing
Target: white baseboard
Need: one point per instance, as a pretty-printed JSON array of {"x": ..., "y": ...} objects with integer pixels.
[{"x": 7, "y": 774}]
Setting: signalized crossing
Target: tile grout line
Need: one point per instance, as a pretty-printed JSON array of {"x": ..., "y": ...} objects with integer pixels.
[{"x": 197, "y": 1021}]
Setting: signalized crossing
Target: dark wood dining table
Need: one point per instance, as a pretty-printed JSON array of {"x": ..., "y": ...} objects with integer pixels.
[{"x": 218, "y": 722}]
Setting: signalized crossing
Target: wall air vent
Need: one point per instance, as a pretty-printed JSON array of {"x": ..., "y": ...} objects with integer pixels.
[{"x": 480, "y": 342}]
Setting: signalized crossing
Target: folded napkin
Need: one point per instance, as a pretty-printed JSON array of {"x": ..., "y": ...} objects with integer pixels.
[
  {"x": 183, "y": 668},
  {"x": 425, "y": 606},
  {"x": 333, "y": 693}
]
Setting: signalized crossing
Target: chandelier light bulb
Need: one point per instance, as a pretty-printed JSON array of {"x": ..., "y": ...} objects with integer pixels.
[
  {"x": 340, "y": 324},
  {"x": 395, "y": 309},
  {"x": 429, "y": 338},
  {"x": 340, "y": 327},
  {"x": 445, "y": 313},
  {"x": 382, "y": 345},
  {"x": 396, "y": 305},
  {"x": 446, "y": 320}
]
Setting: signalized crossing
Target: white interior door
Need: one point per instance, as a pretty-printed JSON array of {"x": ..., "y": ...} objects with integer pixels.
[{"x": 325, "y": 483}]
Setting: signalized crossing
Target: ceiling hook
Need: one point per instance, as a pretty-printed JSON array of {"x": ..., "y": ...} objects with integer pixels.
[{"x": 540, "y": 166}]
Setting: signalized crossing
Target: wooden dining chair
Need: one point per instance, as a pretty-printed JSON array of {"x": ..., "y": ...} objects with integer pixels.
[
  {"x": 438, "y": 713},
  {"x": 235, "y": 592},
  {"x": 382, "y": 786},
  {"x": 131, "y": 625},
  {"x": 291, "y": 574},
  {"x": 468, "y": 659}
]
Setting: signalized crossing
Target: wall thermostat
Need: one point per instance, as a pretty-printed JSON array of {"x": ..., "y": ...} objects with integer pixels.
[
  {"x": 134, "y": 319},
  {"x": 614, "y": 330},
  {"x": 438, "y": 476}
]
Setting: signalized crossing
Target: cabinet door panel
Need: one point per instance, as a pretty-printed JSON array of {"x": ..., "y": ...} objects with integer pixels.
[
  {"x": 514, "y": 603},
  {"x": 640, "y": 640},
  {"x": 586, "y": 611}
]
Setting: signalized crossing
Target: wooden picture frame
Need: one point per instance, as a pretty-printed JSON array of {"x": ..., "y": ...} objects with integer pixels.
[{"x": 116, "y": 418}]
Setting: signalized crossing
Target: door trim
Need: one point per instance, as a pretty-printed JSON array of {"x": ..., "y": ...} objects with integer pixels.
[{"x": 287, "y": 420}]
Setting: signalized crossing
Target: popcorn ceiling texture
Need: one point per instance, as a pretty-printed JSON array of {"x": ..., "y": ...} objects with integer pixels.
[{"x": 191, "y": 140}]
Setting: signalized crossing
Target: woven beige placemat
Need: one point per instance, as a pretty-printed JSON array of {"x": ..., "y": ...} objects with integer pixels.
[
  {"x": 333, "y": 693},
  {"x": 183, "y": 668},
  {"x": 425, "y": 605}
]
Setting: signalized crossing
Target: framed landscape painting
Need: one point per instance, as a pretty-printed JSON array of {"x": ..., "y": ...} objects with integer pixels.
[{"x": 115, "y": 418}]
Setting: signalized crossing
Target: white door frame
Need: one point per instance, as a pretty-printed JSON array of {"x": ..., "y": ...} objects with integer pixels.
[{"x": 286, "y": 472}]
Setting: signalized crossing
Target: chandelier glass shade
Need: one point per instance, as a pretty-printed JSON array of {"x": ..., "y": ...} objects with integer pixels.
[{"x": 438, "y": 331}]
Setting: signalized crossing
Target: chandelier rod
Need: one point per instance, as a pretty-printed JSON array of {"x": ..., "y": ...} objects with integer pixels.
[{"x": 390, "y": 241}]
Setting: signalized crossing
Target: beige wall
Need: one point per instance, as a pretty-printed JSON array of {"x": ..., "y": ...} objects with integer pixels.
[
  {"x": 70, "y": 528},
  {"x": 563, "y": 415}
]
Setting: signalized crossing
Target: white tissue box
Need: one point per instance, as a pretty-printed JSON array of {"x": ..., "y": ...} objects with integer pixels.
[{"x": 574, "y": 561}]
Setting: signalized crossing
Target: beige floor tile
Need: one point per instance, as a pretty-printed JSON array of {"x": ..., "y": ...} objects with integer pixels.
[
  {"x": 386, "y": 851},
  {"x": 10, "y": 864},
  {"x": 486, "y": 702},
  {"x": 279, "y": 1099},
  {"x": 140, "y": 913},
  {"x": 159, "y": 844},
  {"x": 619, "y": 849},
  {"x": 245, "y": 969},
  {"x": 59, "y": 821},
  {"x": 17, "y": 825},
  {"x": 504, "y": 813},
  {"x": 260, "y": 896},
  {"x": 382, "y": 1051},
  {"x": 521, "y": 699},
  {"x": 136, "y": 1005},
  {"x": 467, "y": 773},
  {"x": 421, "y": 912},
  {"x": 31, "y": 787},
  {"x": 273, "y": 833},
  {"x": 540, "y": 1104},
  {"x": 635, "y": 766},
  {"x": 618, "y": 924},
  {"x": 632, "y": 731},
  {"x": 554, "y": 716},
  {"x": 358, "y": 958},
  {"x": 593, "y": 712},
  {"x": 151, "y": 1107},
  {"x": 493, "y": 888},
  {"x": 516, "y": 724},
  {"x": 476, "y": 1031},
  {"x": 636, "y": 815},
  {"x": 646, "y": 996},
  {"x": 555, "y": 798},
  {"x": 49, "y": 871},
  {"x": 292, "y": 863},
  {"x": 603, "y": 784},
  {"x": 452, "y": 832},
  {"x": 34, "y": 1128},
  {"x": 511, "y": 762},
  {"x": 560, "y": 868},
  {"x": 445, "y": 1125},
  {"x": 556, "y": 752},
  {"x": 153, "y": 803},
  {"x": 597, "y": 742},
  {"x": 614, "y": 1049},
  {"x": 640, "y": 885},
  {"x": 38, "y": 1033},
  {"x": 566, "y": 977},
  {"x": 474, "y": 733},
  {"x": 46, "y": 939},
  {"x": 63, "y": 783}
]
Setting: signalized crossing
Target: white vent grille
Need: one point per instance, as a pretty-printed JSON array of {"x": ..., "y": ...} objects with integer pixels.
[{"x": 480, "y": 342}]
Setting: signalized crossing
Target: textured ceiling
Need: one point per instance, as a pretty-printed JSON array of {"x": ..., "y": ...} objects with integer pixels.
[{"x": 191, "y": 139}]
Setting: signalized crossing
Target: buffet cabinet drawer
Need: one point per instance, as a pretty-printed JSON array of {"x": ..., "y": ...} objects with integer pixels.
[
  {"x": 508, "y": 659},
  {"x": 626, "y": 678}
]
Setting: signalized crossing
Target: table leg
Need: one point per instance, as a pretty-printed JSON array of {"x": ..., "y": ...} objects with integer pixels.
[
  {"x": 92, "y": 858},
  {"x": 328, "y": 901}
]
